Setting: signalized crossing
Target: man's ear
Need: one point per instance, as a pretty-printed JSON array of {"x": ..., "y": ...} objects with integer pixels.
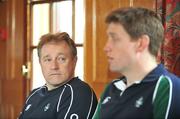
[
  {"x": 39, "y": 59},
  {"x": 75, "y": 59},
  {"x": 143, "y": 43}
]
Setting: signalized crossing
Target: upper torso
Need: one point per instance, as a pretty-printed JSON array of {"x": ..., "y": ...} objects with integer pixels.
[
  {"x": 74, "y": 99},
  {"x": 156, "y": 96}
]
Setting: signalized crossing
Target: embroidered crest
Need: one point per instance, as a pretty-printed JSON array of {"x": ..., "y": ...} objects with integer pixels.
[
  {"x": 139, "y": 102},
  {"x": 107, "y": 99},
  {"x": 46, "y": 107}
]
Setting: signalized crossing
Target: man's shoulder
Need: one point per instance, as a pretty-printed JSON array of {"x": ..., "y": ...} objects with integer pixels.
[
  {"x": 79, "y": 87},
  {"x": 175, "y": 80},
  {"x": 167, "y": 91},
  {"x": 78, "y": 83},
  {"x": 37, "y": 90}
]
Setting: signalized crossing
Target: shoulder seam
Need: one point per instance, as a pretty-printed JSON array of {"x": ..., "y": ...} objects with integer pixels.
[{"x": 33, "y": 93}]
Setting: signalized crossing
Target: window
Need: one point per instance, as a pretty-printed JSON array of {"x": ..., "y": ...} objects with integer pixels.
[{"x": 50, "y": 16}]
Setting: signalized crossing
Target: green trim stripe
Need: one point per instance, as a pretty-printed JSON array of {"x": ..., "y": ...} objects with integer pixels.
[
  {"x": 162, "y": 98},
  {"x": 98, "y": 108}
]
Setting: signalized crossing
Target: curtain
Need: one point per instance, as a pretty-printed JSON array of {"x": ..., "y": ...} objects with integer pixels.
[{"x": 170, "y": 51}]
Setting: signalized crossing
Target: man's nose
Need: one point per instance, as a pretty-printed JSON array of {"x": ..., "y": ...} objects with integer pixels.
[
  {"x": 107, "y": 47},
  {"x": 54, "y": 64}
]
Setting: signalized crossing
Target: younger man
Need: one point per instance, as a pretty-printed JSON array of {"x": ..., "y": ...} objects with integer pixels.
[{"x": 147, "y": 90}]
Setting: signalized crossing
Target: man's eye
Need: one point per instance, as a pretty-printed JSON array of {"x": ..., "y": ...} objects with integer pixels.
[
  {"x": 61, "y": 59},
  {"x": 115, "y": 39},
  {"x": 47, "y": 60}
]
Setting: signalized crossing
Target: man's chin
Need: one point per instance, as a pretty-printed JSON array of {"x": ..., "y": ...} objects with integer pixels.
[{"x": 113, "y": 69}]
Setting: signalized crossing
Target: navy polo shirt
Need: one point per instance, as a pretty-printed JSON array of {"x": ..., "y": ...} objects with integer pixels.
[
  {"x": 73, "y": 100},
  {"x": 157, "y": 96}
]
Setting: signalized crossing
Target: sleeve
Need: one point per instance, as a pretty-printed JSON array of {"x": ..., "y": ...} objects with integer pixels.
[
  {"x": 77, "y": 103},
  {"x": 166, "y": 99}
]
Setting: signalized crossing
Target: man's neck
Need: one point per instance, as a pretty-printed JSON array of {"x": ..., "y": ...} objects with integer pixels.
[{"x": 139, "y": 71}]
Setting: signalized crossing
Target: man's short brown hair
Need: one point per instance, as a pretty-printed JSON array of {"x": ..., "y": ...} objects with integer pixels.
[
  {"x": 138, "y": 22},
  {"x": 56, "y": 38}
]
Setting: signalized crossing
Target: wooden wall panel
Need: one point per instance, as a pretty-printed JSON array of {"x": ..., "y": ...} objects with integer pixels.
[
  {"x": 100, "y": 37},
  {"x": 96, "y": 67},
  {"x": 12, "y": 99},
  {"x": 15, "y": 43},
  {"x": 2, "y": 45},
  {"x": 124, "y": 3},
  {"x": 12, "y": 82},
  {"x": 88, "y": 57},
  {"x": 2, "y": 64},
  {"x": 144, "y": 3}
]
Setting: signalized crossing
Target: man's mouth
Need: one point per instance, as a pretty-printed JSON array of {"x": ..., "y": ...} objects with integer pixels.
[
  {"x": 53, "y": 74},
  {"x": 110, "y": 59}
]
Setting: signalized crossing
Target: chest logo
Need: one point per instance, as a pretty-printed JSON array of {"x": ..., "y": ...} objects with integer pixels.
[
  {"x": 139, "y": 102},
  {"x": 46, "y": 107},
  {"x": 28, "y": 107},
  {"x": 107, "y": 99}
]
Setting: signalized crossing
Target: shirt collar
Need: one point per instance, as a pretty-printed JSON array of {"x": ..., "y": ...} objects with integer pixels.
[
  {"x": 155, "y": 74},
  {"x": 152, "y": 76}
]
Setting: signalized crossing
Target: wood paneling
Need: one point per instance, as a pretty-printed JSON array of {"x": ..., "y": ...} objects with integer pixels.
[
  {"x": 124, "y": 3},
  {"x": 2, "y": 64},
  {"x": 88, "y": 56},
  {"x": 12, "y": 100},
  {"x": 12, "y": 83},
  {"x": 2, "y": 46},
  {"x": 96, "y": 67},
  {"x": 100, "y": 37},
  {"x": 144, "y": 3}
]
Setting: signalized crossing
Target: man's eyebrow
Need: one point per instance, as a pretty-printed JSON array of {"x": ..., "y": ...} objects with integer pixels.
[
  {"x": 46, "y": 56},
  {"x": 60, "y": 53},
  {"x": 111, "y": 34}
]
